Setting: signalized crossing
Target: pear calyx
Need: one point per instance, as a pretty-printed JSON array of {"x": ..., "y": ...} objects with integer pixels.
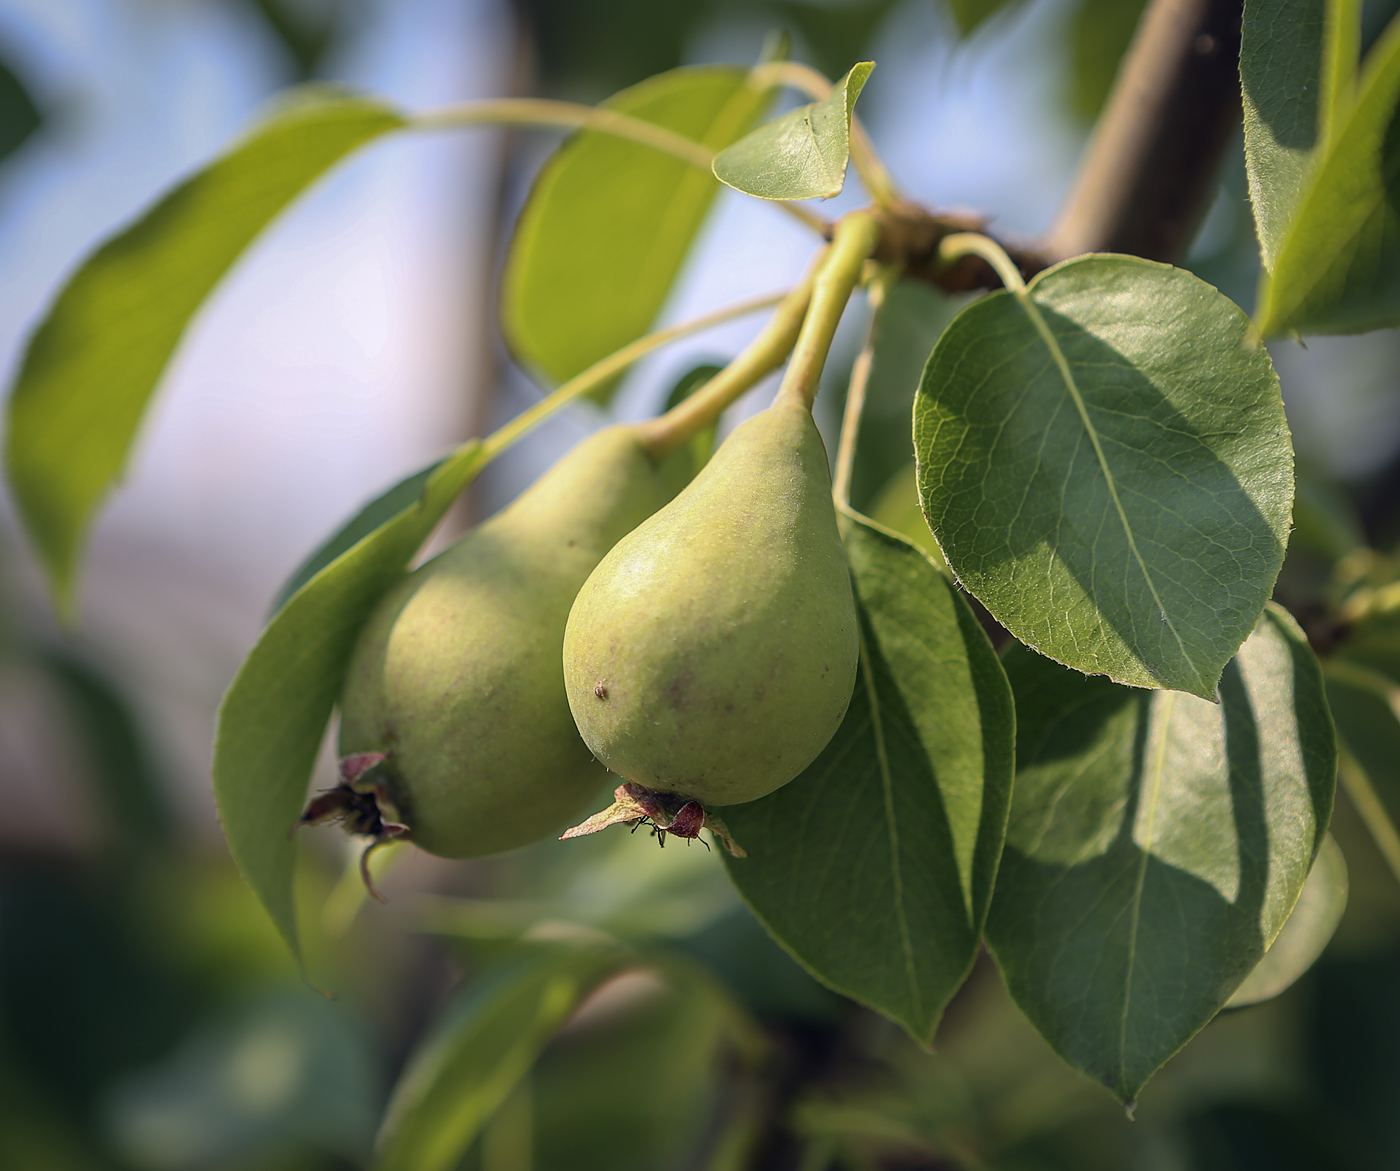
[
  {"x": 362, "y": 806},
  {"x": 666, "y": 813}
]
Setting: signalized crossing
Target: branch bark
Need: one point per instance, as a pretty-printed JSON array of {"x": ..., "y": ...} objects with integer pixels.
[{"x": 1149, "y": 174}]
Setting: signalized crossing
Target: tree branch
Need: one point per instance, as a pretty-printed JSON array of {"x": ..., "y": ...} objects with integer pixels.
[{"x": 1149, "y": 174}]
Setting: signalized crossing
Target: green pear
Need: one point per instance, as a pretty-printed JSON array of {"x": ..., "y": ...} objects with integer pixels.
[
  {"x": 712, "y": 654},
  {"x": 456, "y": 680}
]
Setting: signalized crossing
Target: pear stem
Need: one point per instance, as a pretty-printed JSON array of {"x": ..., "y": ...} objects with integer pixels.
[
  {"x": 573, "y": 116},
  {"x": 876, "y": 291},
  {"x": 964, "y": 243},
  {"x": 606, "y": 368},
  {"x": 855, "y": 238},
  {"x": 757, "y": 360}
]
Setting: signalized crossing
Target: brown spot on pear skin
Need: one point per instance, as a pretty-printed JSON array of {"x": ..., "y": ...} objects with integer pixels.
[{"x": 600, "y": 690}]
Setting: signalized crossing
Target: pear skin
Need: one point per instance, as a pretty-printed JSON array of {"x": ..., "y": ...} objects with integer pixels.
[
  {"x": 456, "y": 677},
  {"x": 712, "y": 654}
]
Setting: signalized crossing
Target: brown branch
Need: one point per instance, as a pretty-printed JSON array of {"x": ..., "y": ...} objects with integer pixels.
[{"x": 1149, "y": 173}]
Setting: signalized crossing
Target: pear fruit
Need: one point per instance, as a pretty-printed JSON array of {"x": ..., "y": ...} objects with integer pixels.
[
  {"x": 454, "y": 694},
  {"x": 712, "y": 654}
]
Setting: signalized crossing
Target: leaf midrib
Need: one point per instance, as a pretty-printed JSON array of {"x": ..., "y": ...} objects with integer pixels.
[
  {"x": 887, "y": 789},
  {"x": 1145, "y": 851},
  {"x": 1061, "y": 363}
]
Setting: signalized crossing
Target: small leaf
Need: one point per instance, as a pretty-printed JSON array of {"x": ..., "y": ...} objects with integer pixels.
[
  {"x": 1157, "y": 845},
  {"x": 274, "y": 715},
  {"x": 875, "y": 866},
  {"x": 1308, "y": 930},
  {"x": 1106, "y": 466},
  {"x": 95, "y": 360},
  {"x": 803, "y": 154},
  {"x": 490, "y": 1038},
  {"x": 609, "y": 223},
  {"x": 378, "y": 511},
  {"x": 1337, "y": 269},
  {"x": 1365, "y": 705},
  {"x": 1281, "y": 76}
]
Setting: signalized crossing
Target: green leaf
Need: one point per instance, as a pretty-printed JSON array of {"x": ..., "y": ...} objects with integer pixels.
[
  {"x": 1099, "y": 34},
  {"x": 609, "y": 223},
  {"x": 875, "y": 866},
  {"x": 274, "y": 715},
  {"x": 95, "y": 360},
  {"x": 1365, "y": 705},
  {"x": 490, "y": 1038},
  {"x": 801, "y": 155},
  {"x": 1308, "y": 930},
  {"x": 378, "y": 511},
  {"x": 1106, "y": 466},
  {"x": 970, "y": 14},
  {"x": 1281, "y": 76},
  {"x": 1157, "y": 845},
  {"x": 911, "y": 319},
  {"x": 1337, "y": 269}
]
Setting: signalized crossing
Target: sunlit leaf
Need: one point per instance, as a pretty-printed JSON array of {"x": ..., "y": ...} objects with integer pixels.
[
  {"x": 875, "y": 866},
  {"x": 1106, "y": 466},
  {"x": 1308, "y": 930},
  {"x": 96, "y": 358},
  {"x": 382, "y": 508},
  {"x": 801, "y": 155},
  {"x": 609, "y": 222},
  {"x": 1157, "y": 845},
  {"x": 275, "y": 713},
  {"x": 488, "y": 1040},
  {"x": 1337, "y": 270}
]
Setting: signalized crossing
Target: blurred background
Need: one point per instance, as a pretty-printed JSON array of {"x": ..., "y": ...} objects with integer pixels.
[{"x": 150, "y": 1019}]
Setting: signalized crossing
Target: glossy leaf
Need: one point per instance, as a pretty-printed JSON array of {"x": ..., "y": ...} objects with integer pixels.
[
  {"x": 1157, "y": 845},
  {"x": 609, "y": 222},
  {"x": 1106, "y": 466},
  {"x": 801, "y": 155},
  {"x": 490, "y": 1038},
  {"x": 1338, "y": 268},
  {"x": 382, "y": 508},
  {"x": 1281, "y": 76},
  {"x": 875, "y": 866},
  {"x": 1306, "y": 934},
  {"x": 96, "y": 358},
  {"x": 275, "y": 713}
]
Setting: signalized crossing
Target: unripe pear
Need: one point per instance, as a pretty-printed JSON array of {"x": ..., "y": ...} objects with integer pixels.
[
  {"x": 456, "y": 682},
  {"x": 712, "y": 654}
]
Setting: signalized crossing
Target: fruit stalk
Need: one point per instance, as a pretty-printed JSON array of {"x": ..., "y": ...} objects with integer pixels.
[
  {"x": 877, "y": 291},
  {"x": 855, "y": 238},
  {"x": 759, "y": 358}
]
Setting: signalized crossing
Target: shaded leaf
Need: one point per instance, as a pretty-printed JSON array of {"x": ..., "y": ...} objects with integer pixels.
[
  {"x": 94, "y": 361},
  {"x": 1099, "y": 35},
  {"x": 275, "y": 713},
  {"x": 1106, "y": 466},
  {"x": 1281, "y": 78},
  {"x": 1337, "y": 270},
  {"x": 19, "y": 116},
  {"x": 489, "y": 1039},
  {"x": 801, "y": 155},
  {"x": 1308, "y": 931},
  {"x": 912, "y": 317},
  {"x": 1157, "y": 845},
  {"x": 875, "y": 866},
  {"x": 970, "y": 14},
  {"x": 609, "y": 222},
  {"x": 382, "y": 508},
  {"x": 1365, "y": 705}
]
